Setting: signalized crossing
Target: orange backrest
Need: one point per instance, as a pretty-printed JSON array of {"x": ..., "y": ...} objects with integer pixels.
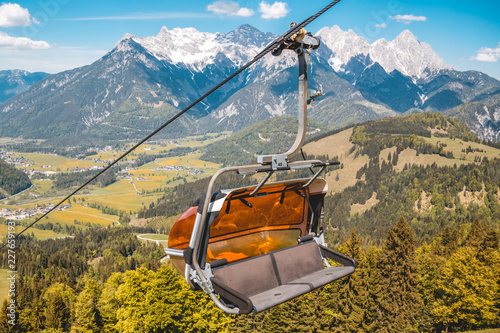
[{"x": 250, "y": 226}]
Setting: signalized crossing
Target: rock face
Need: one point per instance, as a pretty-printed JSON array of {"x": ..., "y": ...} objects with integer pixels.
[{"x": 142, "y": 81}]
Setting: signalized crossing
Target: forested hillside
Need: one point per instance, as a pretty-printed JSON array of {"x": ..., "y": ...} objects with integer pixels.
[
  {"x": 427, "y": 167},
  {"x": 441, "y": 190},
  {"x": 12, "y": 180}
]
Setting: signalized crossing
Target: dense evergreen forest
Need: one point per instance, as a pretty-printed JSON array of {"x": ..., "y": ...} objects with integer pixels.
[
  {"x": 107, "y": 281},
  {"x": 12, "y": 180}
]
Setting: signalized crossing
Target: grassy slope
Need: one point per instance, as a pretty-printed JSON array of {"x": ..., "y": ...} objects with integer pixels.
[{"x": 339, "y": 145}]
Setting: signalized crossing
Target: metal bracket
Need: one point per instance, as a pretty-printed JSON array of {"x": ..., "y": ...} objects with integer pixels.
[
  {"x": 279, "y": 162},
  {"x": 313, "y": 94},
  {"x": 205, "y": 285},
  {"x": 302, "y": 49}
]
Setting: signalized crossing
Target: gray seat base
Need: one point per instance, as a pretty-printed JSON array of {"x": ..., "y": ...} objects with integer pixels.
[
  {"x": 257, "y": 284},
  {"x": 285, "y": 292}
]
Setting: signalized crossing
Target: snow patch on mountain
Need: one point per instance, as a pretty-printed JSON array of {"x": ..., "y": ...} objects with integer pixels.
[
  {"x": 226, "y": 112},
  {"x": 276, "y": 109}
]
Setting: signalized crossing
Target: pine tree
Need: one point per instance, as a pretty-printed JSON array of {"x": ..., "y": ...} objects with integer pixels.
[
  {"x": 353, "y": 291},
  {"x": 478, "y": 232},
  {"x": 371, "y": 281},
  {"x": 87, "y": 315},
  {"x": 400, "y": 304},
  {"x": 247, "y": 323},
  {"x": 108, "y": 303},
  {"x": 5, "y": 327},
  {"x": 59, "y": 300},
  {"x": 429, "y": 269},
  {"x": 36, "y": 318},
  {"x": 297, "y": 315},
  {"x": 468, "y": 291}
]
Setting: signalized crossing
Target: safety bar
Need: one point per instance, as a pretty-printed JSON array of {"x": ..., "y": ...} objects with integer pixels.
[
  {"x": 323, "y": 166},
  {"x": 257, "y": 168},
  {"x": 262, "y": 182}
]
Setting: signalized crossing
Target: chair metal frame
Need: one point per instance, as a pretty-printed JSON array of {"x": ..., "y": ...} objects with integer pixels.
[{"x": 197, "y": 272}]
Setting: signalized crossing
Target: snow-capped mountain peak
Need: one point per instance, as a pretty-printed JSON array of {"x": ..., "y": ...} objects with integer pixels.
[
  {"x": 344, "y": 45},
  {"x": 196, "y": 50},
  {"x": 181, "y": 45},
  {"x": 405, "y": 53}
]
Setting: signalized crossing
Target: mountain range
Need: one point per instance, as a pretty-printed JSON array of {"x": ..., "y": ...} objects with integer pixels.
[
  {"x": 13, "y": 82},
  {"x": 142, "y": 81}
]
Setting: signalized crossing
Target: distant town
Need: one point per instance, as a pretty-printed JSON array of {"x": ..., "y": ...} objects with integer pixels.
[
  {"x": 24, "y": 163},
  {"x": 26, "y": 213}
]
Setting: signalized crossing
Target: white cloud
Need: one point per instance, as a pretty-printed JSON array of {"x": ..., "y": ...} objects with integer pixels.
[
  {"x": 406, "y": 19},
  {"x": 10, "y": 42},
  {"x": 229, "y": 8},
  {"x": 13, "y": 15},
  {"x": 381, "y": 25},
  {"x": 275, "y": 11},
  {"x": 487, "y": 54}
]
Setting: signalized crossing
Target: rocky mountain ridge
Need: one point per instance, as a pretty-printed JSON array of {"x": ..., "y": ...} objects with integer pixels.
[{"x": 142, "y": 81}]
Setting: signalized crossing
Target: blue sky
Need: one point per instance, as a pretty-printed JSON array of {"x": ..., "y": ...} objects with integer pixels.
[{"x": 55, "y": 35}]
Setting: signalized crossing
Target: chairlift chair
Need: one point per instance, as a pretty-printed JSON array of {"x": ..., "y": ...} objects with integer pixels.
[{"x": 255, "y": 247}]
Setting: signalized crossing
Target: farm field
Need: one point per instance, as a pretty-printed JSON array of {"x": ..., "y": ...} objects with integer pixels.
[
  {"x": 160, "y": 237},
  {"x": 132, "y": 191},
  {"x": 160, "y": 148},
  {"x": 124, "y": 200},
  {"x": 42, "y": 186},
  {"x": 157, "y": 238},
  {"x": 55, "y": 163},
  {"x": 40, "y": 234},
  {"x": 85, "y": 214},
  {"x": 109, "y": 155}
]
